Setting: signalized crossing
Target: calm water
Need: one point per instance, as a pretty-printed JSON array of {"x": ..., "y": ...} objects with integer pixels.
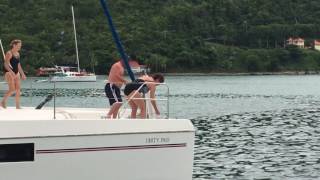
[{"x": 248, "y": 127}]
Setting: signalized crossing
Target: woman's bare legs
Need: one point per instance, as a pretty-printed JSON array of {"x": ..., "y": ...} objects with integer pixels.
[
  {"x": 136, "y": 98},
  {"x": 18, "y": 90},
  {"x": 11, "y": 84},
  {"x": 142, "y": 106},
  {"x": 134, "y": 109}
]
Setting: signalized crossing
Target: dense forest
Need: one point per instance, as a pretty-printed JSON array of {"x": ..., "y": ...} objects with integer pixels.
[{"x": 169, "y": 36}]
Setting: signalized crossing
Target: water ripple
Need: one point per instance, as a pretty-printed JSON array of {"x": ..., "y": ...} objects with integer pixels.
[
  {"x": 92, "y": 92},
  {"x": 62, "y": 92},
  {"x": 236, "y": 96},
  {"x": 267, "y": 145}
]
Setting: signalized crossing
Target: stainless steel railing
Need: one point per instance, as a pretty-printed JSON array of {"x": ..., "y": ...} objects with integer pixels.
[{"x": 124, "y": 107}]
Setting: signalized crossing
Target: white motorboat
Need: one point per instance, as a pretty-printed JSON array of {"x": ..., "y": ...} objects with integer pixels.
[
  {"x": 68, "y": 74},
  {"x": 80, "y": 144},
  {"x": 141, "y": 69}
]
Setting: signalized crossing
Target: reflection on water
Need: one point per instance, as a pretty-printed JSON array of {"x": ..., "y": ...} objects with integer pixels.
[{"x": 268, "y": 145}]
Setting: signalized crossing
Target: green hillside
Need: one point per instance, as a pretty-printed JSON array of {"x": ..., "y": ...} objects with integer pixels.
[{"x": 170, "y": 36}]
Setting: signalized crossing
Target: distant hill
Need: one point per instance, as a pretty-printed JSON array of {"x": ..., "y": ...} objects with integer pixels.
[{"x": 170, "y": 36}]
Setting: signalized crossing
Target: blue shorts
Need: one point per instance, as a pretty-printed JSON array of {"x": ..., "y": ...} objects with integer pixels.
[{"x": 113, "y": 93}]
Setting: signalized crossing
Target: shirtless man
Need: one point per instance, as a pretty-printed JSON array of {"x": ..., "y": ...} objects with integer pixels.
[{"x": 112, "y": 88}]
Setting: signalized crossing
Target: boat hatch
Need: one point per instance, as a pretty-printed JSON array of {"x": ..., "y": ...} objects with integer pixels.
[{"x": 16, "y": 152}]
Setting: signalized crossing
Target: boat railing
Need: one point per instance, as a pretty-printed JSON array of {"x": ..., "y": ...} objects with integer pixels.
[
  {"x": 53, "y": 90},
  {"x": 51, "y": 96},
  {"x": 146, "y": 99}
]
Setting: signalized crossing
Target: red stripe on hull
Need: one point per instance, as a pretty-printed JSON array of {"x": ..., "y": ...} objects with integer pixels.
[{"x": 117, "y": 148}]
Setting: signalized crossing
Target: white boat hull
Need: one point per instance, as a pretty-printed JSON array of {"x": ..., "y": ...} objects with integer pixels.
[
  {"x": 92, "y": 78},
  {"x": 98, "y": 149}
]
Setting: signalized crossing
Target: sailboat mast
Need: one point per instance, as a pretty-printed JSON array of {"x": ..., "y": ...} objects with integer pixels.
[
  {"x": 2, "y": 49},
  {"x": 75, "y": 38},
  {"x": 117, "y": 39}
]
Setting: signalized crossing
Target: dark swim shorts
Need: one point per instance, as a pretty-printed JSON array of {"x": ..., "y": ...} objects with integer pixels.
[{"x": 113, "y": 93}]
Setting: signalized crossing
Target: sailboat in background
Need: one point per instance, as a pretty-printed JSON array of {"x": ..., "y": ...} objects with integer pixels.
[
  {"x": 2, "y": 50},
  {"x": 73, "y": 74},
  {"x": 3, "y": 87}
]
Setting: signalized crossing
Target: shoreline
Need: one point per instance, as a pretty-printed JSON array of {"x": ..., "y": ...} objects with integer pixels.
[
  {"x": 232, "y": 74},
  {"x": 246, "y": 74}
]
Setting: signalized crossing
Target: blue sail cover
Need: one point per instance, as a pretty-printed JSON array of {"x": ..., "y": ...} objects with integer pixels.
[{"x": 117, "y": 40}]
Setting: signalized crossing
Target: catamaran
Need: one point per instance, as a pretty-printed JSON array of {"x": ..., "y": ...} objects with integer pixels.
[
  {"x": 34, "y": 146},
  {"x": 72, "y": 74},
  {"x": 80, "y": 143}
]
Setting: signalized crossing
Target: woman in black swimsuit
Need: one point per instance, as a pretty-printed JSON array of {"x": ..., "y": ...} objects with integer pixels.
[
  {"x": 134, "y": 92},
  {"x": 12, "y": 73}
]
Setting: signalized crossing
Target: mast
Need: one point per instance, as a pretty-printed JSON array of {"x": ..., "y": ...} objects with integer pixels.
[
  {"x": 75, "y": 38},
  {"x": 2, "y": 50},
  {"x": 117, "y": 39}
]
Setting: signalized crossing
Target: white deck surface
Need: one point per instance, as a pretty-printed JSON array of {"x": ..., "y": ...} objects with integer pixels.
[
  {"x": 28, "y": 122},
  {"x": 30, "y": 113}
]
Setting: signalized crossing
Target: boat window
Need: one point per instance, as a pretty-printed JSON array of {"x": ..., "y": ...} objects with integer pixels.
[{"x": 16, "y": 152}]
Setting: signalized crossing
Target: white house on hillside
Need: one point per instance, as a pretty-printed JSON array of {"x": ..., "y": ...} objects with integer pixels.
[
  {"x": 296, "y": 41},
  {"x": 317, "y": 45}
]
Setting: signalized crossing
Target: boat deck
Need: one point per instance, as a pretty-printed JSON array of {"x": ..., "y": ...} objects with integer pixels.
[{"x": 30, "y": 113}]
